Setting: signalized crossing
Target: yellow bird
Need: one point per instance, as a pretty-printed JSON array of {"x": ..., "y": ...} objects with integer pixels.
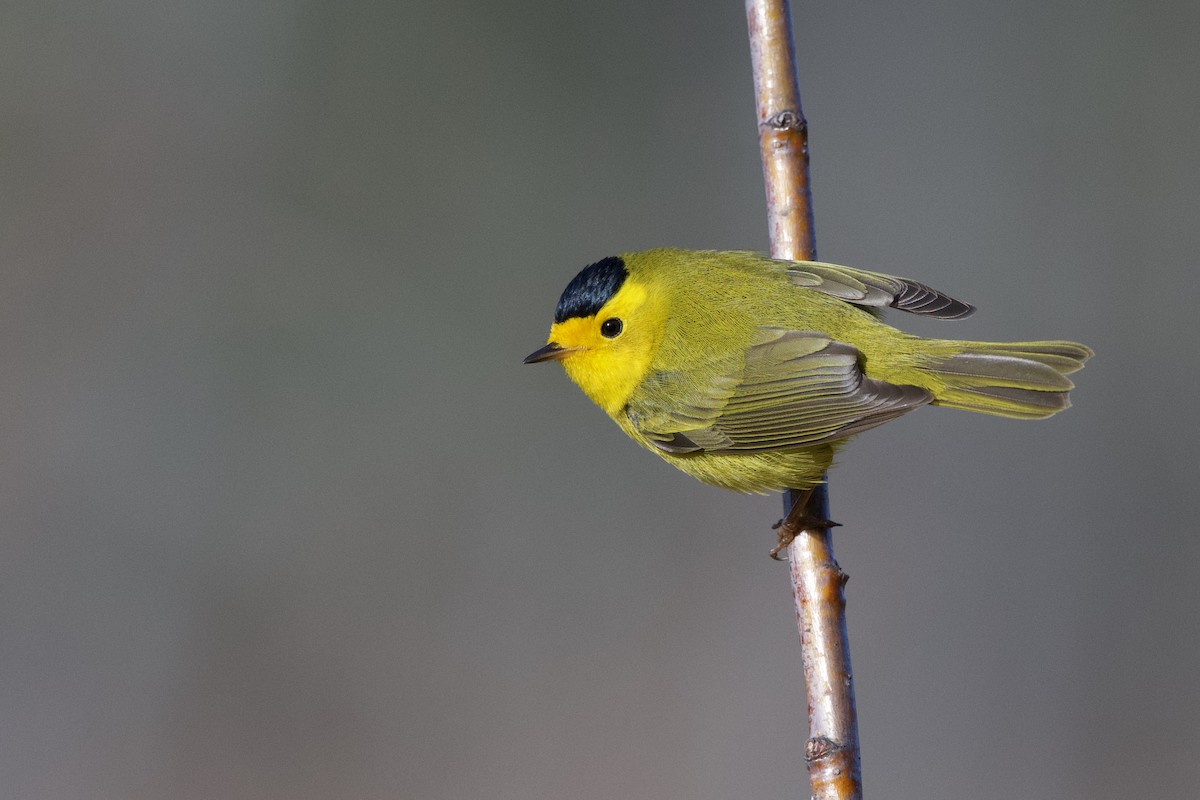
[{"x": 749, "y": 372}]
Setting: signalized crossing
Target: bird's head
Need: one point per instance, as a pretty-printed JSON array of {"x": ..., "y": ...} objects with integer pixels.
[{"x": 607, "y": 326}]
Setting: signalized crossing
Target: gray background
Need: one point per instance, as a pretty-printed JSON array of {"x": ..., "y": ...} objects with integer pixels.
[{"x": 283, "y": 516}]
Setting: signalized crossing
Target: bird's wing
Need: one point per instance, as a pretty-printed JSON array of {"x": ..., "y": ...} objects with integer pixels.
[
  {"x": 876, "y": 289},
  {"x": 792, "y": 389}
]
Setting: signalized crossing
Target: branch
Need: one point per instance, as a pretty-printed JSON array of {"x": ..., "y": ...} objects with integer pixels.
[{"x": 831, "y": 752}]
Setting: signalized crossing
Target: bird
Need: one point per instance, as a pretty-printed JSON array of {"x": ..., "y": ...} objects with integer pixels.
[{"x": 750, "y": 373}]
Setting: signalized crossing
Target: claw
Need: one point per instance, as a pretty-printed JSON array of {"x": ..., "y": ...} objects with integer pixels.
[
  {"x": 784, "y": 541},
  {"x": 797, "y": 520}
]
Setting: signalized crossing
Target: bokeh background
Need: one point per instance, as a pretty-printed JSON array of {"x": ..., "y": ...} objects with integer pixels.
[{"x": 283, "y": 516}]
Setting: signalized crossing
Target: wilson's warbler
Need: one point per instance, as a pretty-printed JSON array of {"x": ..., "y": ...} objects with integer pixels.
[{"x": 749, "y": 372}]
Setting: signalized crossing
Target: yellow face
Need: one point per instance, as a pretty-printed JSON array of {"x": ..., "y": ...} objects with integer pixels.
[{"x": 609, "y": 353}]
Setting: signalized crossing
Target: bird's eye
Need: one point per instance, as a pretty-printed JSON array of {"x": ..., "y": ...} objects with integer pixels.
[{"x": 611, "y": 328}]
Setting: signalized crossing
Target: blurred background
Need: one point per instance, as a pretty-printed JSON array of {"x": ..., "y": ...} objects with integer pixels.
[{"x": 284, "y": 516}]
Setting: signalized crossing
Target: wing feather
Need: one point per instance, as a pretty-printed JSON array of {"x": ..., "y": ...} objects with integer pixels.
[
  {"x": 792, "y": 389},
  {"x": 864, "y": 288}
]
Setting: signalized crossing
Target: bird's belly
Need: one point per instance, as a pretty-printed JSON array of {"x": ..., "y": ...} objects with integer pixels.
[{"x": 757, "y": 472}]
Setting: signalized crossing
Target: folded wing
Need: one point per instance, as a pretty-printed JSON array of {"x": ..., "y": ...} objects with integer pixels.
[{"x": 792, "y": 389}]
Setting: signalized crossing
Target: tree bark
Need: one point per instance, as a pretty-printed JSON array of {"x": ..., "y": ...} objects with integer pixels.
[{"x": 831, "y": 752}]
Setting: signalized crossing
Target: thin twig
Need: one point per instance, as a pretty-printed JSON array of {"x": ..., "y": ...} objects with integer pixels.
[{"x": 831, "y": 752}]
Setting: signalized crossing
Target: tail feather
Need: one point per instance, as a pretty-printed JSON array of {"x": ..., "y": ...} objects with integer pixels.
[{"x": 1011, "y": 379}]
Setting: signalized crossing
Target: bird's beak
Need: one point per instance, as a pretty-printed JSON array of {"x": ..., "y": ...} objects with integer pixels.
[{"x": 551, "y": 352}]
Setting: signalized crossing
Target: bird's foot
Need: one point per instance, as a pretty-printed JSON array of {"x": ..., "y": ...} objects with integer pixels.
[{"x": 797, "y": 520}]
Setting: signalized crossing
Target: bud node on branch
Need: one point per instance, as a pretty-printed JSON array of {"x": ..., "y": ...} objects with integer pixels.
[{"x": 789, "y": 120}]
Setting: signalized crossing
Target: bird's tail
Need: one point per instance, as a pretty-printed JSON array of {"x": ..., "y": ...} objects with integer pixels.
[{"x": 1026, "y": 380}]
